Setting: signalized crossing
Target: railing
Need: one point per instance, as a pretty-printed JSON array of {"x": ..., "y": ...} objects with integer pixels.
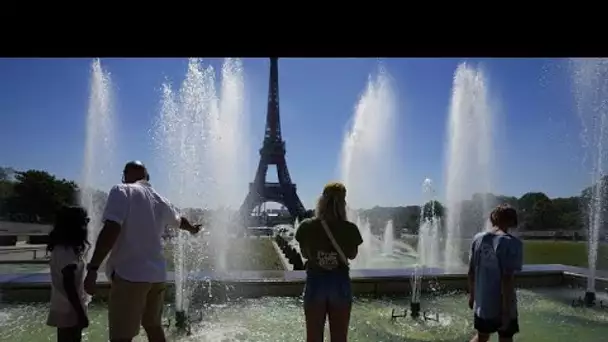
[
  {"x": 36, "y": 251},
  {"x": 539, "y": 234},
  {"x": 22, "y": 228}
]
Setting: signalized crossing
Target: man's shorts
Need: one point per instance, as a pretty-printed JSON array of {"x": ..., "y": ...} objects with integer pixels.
[
  {"x": 490, "y": 326},
  {"x": 134, "y": 304}
]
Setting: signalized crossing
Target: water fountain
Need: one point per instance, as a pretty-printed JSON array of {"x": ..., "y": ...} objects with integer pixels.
[
  {"x": 365, "y": 250},
  {"x": 429, "y": 254},
  {"x": 468, "y": 163},
  {"x": 200, "y": 139},
  {"x": 228, "y": 152},
  {"x": 98, "y": 163},
  {"x": 272, "y": 318},
  {"x": 429, "y": 234},
  {"x": 590, "y": 80},
  {"x": 388, "y": 238},
  {"x": 366, "y": 153},
  {"x": 181, "y": 141}
]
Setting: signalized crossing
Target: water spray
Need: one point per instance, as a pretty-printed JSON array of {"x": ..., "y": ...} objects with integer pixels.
[
  {"x": 415, "y": 313},
  {"x": 182, "y": 323},
  {"x": 590, "y": 86},
  {"x": 589, "y": 300},
  {"x": 415, "y": 307}
]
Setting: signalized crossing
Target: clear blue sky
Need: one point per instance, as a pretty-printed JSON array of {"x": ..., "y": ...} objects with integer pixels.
[{"x": 43, "y": 104}]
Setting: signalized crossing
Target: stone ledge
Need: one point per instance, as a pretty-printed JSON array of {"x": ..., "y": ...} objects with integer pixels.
[
  {"x": 286, "y": 265},
  {"x": 378, "y": 282}
]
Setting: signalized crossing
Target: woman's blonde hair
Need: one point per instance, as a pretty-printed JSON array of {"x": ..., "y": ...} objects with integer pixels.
[{"x": 331, "y": 205}]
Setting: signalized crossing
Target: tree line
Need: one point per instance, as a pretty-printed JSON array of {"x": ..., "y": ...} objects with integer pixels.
[
  {"x": 536, "y": 212},
  {"x": 35, "y": 196}
]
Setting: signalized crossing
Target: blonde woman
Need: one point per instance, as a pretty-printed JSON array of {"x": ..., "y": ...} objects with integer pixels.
[{"x": 328, "y": 241}]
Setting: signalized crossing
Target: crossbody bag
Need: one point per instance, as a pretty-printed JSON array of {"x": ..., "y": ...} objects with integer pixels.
[{"x": 334, "y": 243}]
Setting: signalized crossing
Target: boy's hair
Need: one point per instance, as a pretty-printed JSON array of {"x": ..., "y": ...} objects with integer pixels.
[
  {"x": 504, "y": 215},
  {"x": 332, "y": 203},
  {"x": 70, "y": 230}
]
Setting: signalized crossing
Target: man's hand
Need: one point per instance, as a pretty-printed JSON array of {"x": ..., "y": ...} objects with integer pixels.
[
  {"x": 194, "y": 229},
  {"x": 187, "y": 226},
  {"x": 90, "y": 282},
  {"x": 471, "y": 301}
]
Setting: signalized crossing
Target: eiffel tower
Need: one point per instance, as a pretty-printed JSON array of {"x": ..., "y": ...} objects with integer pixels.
[{"x": 273, "y": 153}]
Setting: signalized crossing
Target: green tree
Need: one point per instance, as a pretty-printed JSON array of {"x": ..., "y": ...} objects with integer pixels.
[
  {"x": 536, "y": 212},
  {"x": 433, "y": 209},
  {"x": 406, "y": 219},
  {"x": 6, "y": 189},
  {"x": 7, "y": 173},
  {"x": 569, "y": 213},
  {"x": 37, "y": 195}
]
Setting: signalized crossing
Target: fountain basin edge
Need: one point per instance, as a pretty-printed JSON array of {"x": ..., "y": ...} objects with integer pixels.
[{"x": 35, "y": 287}]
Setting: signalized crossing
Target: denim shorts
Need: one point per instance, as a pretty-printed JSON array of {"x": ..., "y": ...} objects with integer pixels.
[{"x": 328, "y": 287}]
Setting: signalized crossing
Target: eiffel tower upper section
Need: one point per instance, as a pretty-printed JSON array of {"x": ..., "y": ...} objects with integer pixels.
[{"x": 273, "y": 153}]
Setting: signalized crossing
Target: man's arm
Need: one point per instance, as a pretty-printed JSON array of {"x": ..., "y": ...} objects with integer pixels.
[
  {"x": 105, "y": 241},
  {"x": 173, "y": 218},
  {"x": 114, "y": 215}
]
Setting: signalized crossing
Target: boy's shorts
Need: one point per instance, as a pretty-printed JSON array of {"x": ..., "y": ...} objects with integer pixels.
[{"x": 490, "y": 326}]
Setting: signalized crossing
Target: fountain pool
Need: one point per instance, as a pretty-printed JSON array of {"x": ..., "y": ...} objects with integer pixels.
[{"x": 545, "y": 316}]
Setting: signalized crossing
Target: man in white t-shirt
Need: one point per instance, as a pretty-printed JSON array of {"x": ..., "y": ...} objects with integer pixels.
[{"x": 135, "y": 218}]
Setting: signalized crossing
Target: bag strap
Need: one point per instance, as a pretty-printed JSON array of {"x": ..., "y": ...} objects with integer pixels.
[{"x": 334, "y": 243}]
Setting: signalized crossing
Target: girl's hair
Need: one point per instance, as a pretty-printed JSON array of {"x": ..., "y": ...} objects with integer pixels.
[
  {"x": 70, "y": 230},
  {"x": 331, "y": 206},
  {"x": 504, "y": 215}
]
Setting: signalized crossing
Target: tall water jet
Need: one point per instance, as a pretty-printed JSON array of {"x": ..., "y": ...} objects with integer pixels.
[
  {"x": 367, "y": 146},
  {"x": 388, "y": 238},
  {"x": 590, "y": 80},
  {"x": 416, "y": 284},
  {"x": 227, "y": 155},
  {"x": 98, "y": 169},
  {"x": 366, "y": 249},
  {"x": 199, "y": 140},
  {"x": 366, "y": 155},
  {"x": 429, "y": 235},
  {"x": 181, "y": 139},
  {"x": 468, "y": 163}
]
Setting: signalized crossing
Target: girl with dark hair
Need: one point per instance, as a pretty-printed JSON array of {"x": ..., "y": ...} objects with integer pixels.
[{"x": 67, "y": 246}]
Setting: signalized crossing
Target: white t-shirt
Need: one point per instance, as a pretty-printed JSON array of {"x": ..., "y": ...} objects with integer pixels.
[
  {"x": 143, "y": 214},
  {"x": 62, "y": 313}
]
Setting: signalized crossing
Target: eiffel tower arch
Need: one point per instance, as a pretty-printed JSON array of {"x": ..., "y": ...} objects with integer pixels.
[{"x": 273, "y": 153}]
